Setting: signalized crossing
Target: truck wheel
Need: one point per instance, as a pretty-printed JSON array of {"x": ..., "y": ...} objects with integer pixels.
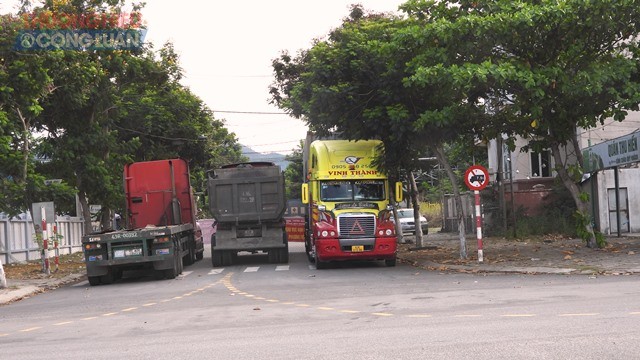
[
  {"x": 189, "y": 259},
  {"x": 199, "y": 255},
  {"x": 273, "y": 256},
  {"x": 94, "y": 280},
  {"x": 390, "y": 262},
  {"x": 227, "y": 258},
  {"x": 284, "y": 254},
  {"x": 173, "y": 272},
  {"x": 107, "y": 279},
  {"x": 319, "y": 264},
  {"x": 307, "y": 249},
  {"x": 216, "y": 258}
]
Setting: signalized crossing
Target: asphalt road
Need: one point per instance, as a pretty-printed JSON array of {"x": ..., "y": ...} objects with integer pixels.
[{"x": 256, "y": 310}]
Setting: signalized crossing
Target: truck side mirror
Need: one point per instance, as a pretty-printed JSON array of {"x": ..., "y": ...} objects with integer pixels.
[
  {"x": 398, "y": 192},
  {"x": 305, "y": 193}
]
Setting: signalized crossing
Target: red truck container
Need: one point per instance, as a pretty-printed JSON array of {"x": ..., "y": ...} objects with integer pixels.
[{"x": 161, "y": 230}]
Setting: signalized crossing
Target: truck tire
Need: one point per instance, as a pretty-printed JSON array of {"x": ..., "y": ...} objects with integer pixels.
[
  {"x": 216, "y": 258},
  {"x": 274, "y": 256},
  {"x": 199, "y": 255},
  {"x": 189, "y": 259},
  {"x": 284, "y": 255},
  {"x": 307, "y": 250},
  {"x": 319, "y": 264},
  {"x": 94, "y": 280},
  {"x": 107, "y": 279},
  {"x": 227, "y": 258},
  {"x": 390, "y": 262}
]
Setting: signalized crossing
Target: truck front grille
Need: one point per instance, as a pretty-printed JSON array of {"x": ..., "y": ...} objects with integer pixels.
[{"x": 355, "y": 226}]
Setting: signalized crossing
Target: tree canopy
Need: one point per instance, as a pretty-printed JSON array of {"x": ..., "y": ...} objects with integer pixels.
[
  {"x": 451, "y": 70},
  {"x": 92, "y": 111}
]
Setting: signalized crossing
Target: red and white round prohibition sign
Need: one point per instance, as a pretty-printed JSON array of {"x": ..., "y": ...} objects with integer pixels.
[{"x": 476, "y": 177}]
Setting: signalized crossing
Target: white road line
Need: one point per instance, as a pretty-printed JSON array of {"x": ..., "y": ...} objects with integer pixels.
[
  {"x": 252, "y": 269},
  {"x": 215, "y": 272},
  {"x": 282, "y": 268}
]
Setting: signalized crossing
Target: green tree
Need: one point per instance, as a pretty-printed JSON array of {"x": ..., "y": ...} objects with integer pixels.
[
  {"x": 358, "y": 83},
  {"x": 24, "y": 84},
  {"x": 293, "y": 174},
  {"x": 552, "y": 67}
]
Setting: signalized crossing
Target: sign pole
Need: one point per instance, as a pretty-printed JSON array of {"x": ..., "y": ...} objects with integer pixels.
[
  {"x": 478, "y": 225},
  {"x": 477, "y": 178},
  {"x": 45, "y": 243}
]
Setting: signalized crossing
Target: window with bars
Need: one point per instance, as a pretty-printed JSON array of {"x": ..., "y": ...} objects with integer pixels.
[{"x": 540, "y": 164}]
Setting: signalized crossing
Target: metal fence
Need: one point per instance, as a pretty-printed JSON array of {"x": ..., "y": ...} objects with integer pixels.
[{"x": 17, "y": 238}]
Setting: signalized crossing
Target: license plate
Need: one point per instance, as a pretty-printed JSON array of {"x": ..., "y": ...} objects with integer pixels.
[
  {"x": 357, "y": 248},
  {"x": 122, "y": 253}
]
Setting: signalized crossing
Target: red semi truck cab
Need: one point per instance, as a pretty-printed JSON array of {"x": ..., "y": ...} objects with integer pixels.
[{"x": 350, "y": 211}]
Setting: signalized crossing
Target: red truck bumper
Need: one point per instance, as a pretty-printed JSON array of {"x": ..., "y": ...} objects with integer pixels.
[{"x": 332, "y": 250}]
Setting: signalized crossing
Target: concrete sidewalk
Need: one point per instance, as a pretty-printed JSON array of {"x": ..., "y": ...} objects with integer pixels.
[{"x": 21, "y": 289}]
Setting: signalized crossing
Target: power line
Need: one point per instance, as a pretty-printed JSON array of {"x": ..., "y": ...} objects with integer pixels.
[{"x": 249, "y": 112}]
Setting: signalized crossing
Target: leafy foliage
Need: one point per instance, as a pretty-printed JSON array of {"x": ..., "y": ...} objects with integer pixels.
[{"x": 93, "y": 112}]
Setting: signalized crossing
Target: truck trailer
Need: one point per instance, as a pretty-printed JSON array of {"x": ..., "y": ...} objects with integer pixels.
[
  {"x": 161, "y": 232},
  {"x": 247, "y": 201},
  {"x": 350, "y": 211}
]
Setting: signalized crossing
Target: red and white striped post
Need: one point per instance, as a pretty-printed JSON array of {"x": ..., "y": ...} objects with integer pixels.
[
  {"x": 478, "y": 225},
  {"x": 477, "y": 178},
  {"x": 45, "y": 243}
]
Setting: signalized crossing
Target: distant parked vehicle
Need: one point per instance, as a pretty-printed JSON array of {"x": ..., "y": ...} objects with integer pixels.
[{"x": 407, "y": 222}]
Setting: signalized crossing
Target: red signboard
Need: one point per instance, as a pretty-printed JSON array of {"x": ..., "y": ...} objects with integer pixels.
[{"x": 294, "y": 226}]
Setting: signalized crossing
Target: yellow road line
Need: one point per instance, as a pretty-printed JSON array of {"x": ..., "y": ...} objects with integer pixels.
[
  {"x": 583, "y": 314},
  {"x": 419, "y": 316},
  {"x": 467, "y": 315},
  {"x": 129, "y": 309},
  {"x": 349, "y": 311},
  {"x": 109, "y": 314},
  {"x": 325, "y": 308},
  {"x": 31, "y": 329},
  {"x": 381, "y": 314},
  {"x": 90, "y": 318},
  {"x": 63, "y": 323},
  {"x": 150, "y": 304}
]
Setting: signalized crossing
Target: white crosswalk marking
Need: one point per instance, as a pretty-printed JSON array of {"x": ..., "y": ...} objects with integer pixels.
[
  {"x": 282, "y": 268},
  {"x": 215, "y": 272},
  {"x": 252, "y": 269}
]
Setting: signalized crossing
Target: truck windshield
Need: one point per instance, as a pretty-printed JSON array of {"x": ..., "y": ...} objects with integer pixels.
[{"x": 352, "y": 190}]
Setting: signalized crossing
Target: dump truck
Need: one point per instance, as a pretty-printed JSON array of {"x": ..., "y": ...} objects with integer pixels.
[
  {"x": 161, "y": 232},
  {"x": 247, "y": 201},
  {"x": 350, "y": 210}
]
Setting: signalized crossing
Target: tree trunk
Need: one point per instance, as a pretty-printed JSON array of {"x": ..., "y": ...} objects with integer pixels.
[
  {"x": 439, "y": 151},
  {"x": 574, "y": 190},
  {"x": 84, "y": 205},
  {"x": 416, "y": 209},
  {"x": 502, "y": 205}
]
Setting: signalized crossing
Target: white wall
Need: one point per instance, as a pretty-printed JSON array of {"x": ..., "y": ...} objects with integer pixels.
[{"x": 627, "y": 178}]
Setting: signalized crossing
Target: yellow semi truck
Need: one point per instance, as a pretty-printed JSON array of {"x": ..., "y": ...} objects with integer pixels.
[{"x": 349, "y": 213}]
